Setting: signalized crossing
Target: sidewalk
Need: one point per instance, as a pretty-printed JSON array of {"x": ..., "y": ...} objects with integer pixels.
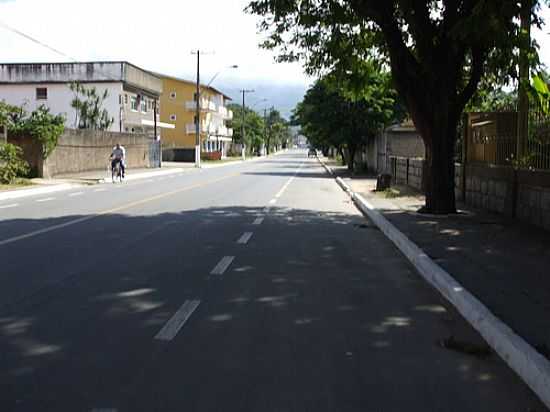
[{"x": 503, "y": 262}]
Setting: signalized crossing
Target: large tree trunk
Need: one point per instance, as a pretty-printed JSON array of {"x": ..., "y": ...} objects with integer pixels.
[
  {"x": 439, "y": 176},
  {"x": 438, "y": 128}
]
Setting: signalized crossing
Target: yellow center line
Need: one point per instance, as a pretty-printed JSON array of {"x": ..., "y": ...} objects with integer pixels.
[{"x": 113, "y": 210}]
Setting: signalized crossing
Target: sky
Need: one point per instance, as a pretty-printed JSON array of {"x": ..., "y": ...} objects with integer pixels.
[{"x": 159, "y": 35}]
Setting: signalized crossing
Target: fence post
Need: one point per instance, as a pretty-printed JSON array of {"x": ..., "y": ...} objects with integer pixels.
[{"x": 465, "y": 138}]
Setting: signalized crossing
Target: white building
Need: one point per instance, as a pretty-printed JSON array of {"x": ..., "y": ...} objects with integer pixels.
[{"x": 133, "y": 93}]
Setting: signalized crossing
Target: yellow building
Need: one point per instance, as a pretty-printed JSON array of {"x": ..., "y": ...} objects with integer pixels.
[{"x": 178, "y": 106}]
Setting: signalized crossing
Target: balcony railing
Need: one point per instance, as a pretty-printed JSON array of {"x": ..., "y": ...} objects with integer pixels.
[
  {"x": 205, "y": 105},
  {"x": 190, "y": 128}
]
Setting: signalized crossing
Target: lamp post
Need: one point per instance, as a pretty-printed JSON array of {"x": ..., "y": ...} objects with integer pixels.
[{"x": 243, "y": 151}]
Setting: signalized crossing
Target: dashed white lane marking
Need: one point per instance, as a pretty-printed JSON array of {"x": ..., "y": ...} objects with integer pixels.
[
  {"x": 272, "y": 201},
  {"x": 149, "y": 181},
  {"x": 258, "y": 221},
  {"x": 222, "y": 265},
  {"x": 100, "y": 190},
  {"x": 48, "y": 199},
  {"x": 9, "y": 206},
  {"x": 176, "y": 322},
  {"x": 289, "y": 181},
  {"x": 243, "y": 240},
  {"x": 76, "y": 194}
]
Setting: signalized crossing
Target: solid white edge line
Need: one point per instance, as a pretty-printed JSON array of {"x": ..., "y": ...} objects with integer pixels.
[
  {"x": 76, "y": 194},
  {"x": 9, "y": 206},
  {"x": 176, "y": 322},
  {"x": 243, "y": 240},
  {"x": 48, "y": 199},
  {"x": 222, "y": 265},
  {"x": 520, "y": 356}
]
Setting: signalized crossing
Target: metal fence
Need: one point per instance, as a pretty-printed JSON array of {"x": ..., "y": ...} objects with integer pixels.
[
  {"x": 538, "y": 143},
  {"x": 491, "y": 138}
]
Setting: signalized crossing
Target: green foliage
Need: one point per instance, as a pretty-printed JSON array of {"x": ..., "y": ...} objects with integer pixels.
[
  {"x": 540, "y": 92},
  {"x": 88, "y": 105},
  {"x": 11, "y": 163},
  {"x": 41, "y": 126},
  {"x": 277, "y": 131},
  {"x": 334, "y": 113},
  {"x": 253, "y": 124},
  {"x": 438, "y": 52}
]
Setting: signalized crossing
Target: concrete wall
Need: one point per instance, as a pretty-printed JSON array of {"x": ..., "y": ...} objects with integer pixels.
[
  {"x": 85, "y": 150},
  {"x": 522, "y": 194}
]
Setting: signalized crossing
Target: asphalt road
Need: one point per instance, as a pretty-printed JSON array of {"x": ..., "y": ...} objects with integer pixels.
[{"x": 252, "y": 287}]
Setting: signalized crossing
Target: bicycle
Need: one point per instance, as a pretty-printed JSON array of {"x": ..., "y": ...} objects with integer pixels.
[{"x": 116, "y": 172}]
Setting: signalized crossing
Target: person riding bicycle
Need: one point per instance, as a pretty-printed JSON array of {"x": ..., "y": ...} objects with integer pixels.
[{"x": 117, "y": 156}]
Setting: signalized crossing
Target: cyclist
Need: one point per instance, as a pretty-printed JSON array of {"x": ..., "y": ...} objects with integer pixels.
[{"x": 117, "y": 156}]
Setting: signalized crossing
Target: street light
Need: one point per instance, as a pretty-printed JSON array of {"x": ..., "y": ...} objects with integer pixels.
[
  {"x": 233, "y": 66},
  {"x": 198, "y": 110}
]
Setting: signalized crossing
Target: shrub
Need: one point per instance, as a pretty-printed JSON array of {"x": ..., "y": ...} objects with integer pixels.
[{"x": 11, "y": 163}]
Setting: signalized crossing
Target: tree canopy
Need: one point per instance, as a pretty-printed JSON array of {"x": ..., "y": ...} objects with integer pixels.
[
  {"x": 334, "y": 114},
  {"x": 438, "y": 52}
]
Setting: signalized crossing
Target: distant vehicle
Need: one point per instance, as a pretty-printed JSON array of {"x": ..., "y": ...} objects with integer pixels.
[{"x": 311, "y": 152}]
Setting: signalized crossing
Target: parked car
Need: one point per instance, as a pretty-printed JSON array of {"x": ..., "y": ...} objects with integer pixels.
[{"x": 311, "y": 152}]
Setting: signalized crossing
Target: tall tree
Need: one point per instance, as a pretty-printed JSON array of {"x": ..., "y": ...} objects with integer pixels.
[
  {"x": 437, "y": 50},
  {"x": 253, "y": 124},
  {"x": 334, "y": 114}
]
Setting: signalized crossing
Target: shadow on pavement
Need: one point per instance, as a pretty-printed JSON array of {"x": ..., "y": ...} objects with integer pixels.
[{"x": 318, "y": 312}]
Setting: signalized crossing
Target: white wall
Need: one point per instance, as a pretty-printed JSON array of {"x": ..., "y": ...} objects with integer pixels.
[{"x": 59, "y": 99}]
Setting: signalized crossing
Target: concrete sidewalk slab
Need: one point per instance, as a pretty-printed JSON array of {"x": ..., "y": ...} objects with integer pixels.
[{"x": 523, "y": 358}]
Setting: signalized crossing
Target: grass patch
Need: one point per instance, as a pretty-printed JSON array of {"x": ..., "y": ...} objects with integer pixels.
[
  {"x": 17, "y": 184},
  {"x": 391, "y": 193}
]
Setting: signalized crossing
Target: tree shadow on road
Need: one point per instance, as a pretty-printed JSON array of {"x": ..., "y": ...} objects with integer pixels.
[{"x": 318, "y": 311}]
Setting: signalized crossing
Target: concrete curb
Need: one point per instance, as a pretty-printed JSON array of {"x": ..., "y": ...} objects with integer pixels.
[
  {"x": 19, "y": 193},
  {"x": 522, "y": 358}
]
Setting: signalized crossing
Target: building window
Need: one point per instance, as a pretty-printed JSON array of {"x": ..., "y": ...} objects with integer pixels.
[
  {"x": 144, "y": 105},
  {"x": 173, "y": 117},
  {"x": 195, "y": 96},
  {"x": 195, "y": 119},
  {"x": 134, "y": 103},
  {"x": 41, "y": 93},
  {"x": 172, "y": 95},
  {"x": 125, "y": 99}
]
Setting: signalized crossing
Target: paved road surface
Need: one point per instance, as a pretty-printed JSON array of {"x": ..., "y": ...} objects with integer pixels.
[{"x": 253, "y": 287}]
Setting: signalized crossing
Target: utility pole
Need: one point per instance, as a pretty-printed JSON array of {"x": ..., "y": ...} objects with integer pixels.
[
  {"x": 523, "y": 98},
  {"x": 244, "y": 91},
  {"x": 198, "y": 115}
]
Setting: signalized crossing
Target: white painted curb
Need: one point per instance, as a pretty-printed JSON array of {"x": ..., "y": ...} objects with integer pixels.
[
  {"x": 19, "y": 193},
  {"x": 531, "y": 366}
]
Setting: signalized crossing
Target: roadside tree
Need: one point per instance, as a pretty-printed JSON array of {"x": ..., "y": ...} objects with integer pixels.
[{"x": 438, "y": 52}]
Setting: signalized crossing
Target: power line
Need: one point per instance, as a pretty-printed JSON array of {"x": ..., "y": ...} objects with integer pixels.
[{"x": 28, "y": 37}]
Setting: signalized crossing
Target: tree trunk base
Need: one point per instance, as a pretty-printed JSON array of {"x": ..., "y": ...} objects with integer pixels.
[{"x": 427, "y": 211}]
